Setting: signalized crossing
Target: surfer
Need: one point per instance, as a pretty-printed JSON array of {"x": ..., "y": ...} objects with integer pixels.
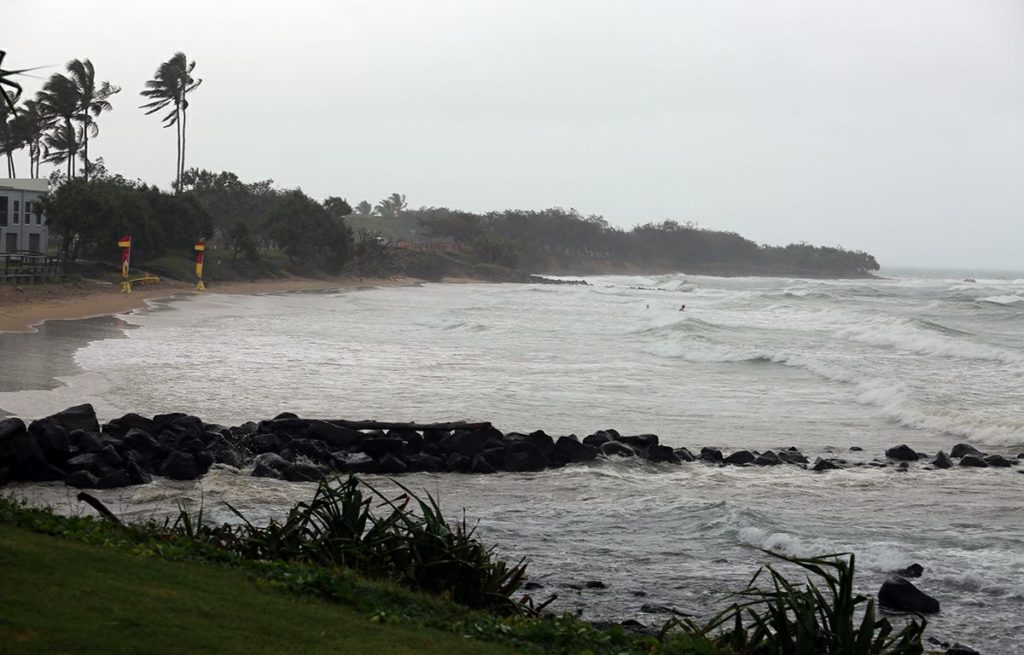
[{"x": 682, "y": 308}]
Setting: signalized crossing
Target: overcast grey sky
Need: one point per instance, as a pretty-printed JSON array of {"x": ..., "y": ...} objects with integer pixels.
[{"x": 895, "y": 127}]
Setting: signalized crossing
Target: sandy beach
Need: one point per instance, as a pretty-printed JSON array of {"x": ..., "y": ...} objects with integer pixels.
[{"x": 22, "y": 308}]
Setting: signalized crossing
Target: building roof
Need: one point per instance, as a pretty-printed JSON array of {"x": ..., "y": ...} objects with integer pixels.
[{"x": 25, "y": 184}]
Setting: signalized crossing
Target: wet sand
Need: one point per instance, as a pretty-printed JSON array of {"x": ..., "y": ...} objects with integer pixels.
[
  {"x": 42, "y": 326},
  {"x": 23, "y": 308}
]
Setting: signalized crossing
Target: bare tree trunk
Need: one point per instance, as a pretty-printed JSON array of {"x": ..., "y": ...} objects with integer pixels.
[
  {"x": 85, "y": 156},
  {"x": 177, "y": 168},
  {"x": 184, "y": 116}
]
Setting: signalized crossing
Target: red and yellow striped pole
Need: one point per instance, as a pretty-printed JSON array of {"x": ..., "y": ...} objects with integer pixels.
[
  {"x": 125, "y": 244},
  {"x": 200, "y": 255}
]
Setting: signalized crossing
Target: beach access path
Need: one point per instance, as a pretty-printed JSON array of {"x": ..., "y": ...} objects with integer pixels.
[{"x": 24, "y": 307}]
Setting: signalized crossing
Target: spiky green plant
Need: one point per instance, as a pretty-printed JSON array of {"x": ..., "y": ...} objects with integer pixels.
[{"x": 785, "y": 618}]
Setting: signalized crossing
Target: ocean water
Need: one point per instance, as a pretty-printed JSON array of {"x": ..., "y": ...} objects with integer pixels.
[{"x": 922, "y": 358}]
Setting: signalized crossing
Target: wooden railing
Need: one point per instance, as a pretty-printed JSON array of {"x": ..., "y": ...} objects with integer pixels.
[{"x": 25, "y": 267}]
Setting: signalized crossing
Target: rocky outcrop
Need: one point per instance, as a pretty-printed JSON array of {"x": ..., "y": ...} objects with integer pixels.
[
  {"x": 73, "y": 447},
  {"x": 899, "y": 594}
]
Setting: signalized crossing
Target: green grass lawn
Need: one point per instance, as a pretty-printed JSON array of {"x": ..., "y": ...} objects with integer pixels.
[{"x": 61, "y": 596}]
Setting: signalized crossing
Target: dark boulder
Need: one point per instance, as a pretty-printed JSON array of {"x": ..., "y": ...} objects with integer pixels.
[
  {"x": 120, "y": 427},
  {"x": 273, "y": 460},
  {"x": 10, "y": 427},
  {"x": 496, "y": 457},
  {"x": 640, "y": 442},
  {"x": 855, "y": 449},
  {"x": 311, "y": 448},
  {"x": 424, "y": 462},
  {"x": 379, "y": 447},
  {"x": 390, "y": 463},
  {"x": 468, "y": 442},
  {"x": 354, "y": 462},
  {"x": 91, "y": 462},
  {"x": 481, "y": 465},
  {"x": 973, "y": 461},
  {"x": 684, "y": 454},
  {"x": 141, "y": 442},
  {"x": 459, "y": 463},
  {"x": 617, "y": 448},
  {"x": 997, "y": 461},
  {"x": 412, "y": 439},
  {"x": 110, "y": 457},
  {"x": 573, "y": 452},
  {"x": 903, "y": 453},
  {"x": 600, "y": 437},
  {"x": 20, "y": 453},
  {"x": 301, "y": 473},
  {"x": 901, "y": 595},
  {"x": 768, "y": 458},
  {"x": 942, "y": 460},
  {"x": 335, "y": 436},
  {"x": 79, "y": 417},
  {"x": 87, "y": 442},
  {"x": 740, "y": 457},
  {"x": 913, "y": 571},
  {"x": 180, "y": 465},
  {"x": 659, "y": 454},
  {"x": 594, "y": 584},
  {"x": 136, "y": 474},
  {"x": 525, "y": 457},
  {"x": 288, "y": 425},
  {"x": 824, "y": 465},
  {"x": 541, "y": 441},
  {"x": 530, "y": 585},
  {"x": 962, "y": 449},
  {"x": 793, "y": 457},
  {"x": 114, "y": 479},
  {"x": 52, "y": 438},
  {"x": 81, "y": 480},
  {"x": 265, "y": 442},
  {"x": 264, "y": 471},
  {"x": 712, "y": 455}
]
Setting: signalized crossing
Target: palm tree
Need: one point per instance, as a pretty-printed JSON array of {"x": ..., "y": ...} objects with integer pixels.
[
  {"x": 10, "y": 138},
  {"x": 33, "y": 125},
  {"x": 63, "y": 143},
  {"x": 391, "y": 206},
  {"x": 59, "y": 100},
  {"x": 92, "y": 101},
  {"x": 171, "y": 85},
  {"x": 364, "y": 208}
]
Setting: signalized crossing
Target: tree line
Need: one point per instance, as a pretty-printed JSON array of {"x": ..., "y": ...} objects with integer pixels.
[
  {"x": 57, "y": 124},
  {"x": 563, "y": 239}
]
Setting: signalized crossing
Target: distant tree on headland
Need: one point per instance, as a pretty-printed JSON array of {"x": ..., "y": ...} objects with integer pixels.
[
  {"x": 170, "y": 87},
  {"x": 391, "y": 206}
]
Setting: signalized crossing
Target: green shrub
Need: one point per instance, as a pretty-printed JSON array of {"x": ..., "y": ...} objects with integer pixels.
[{"x": 792, "y": 619}]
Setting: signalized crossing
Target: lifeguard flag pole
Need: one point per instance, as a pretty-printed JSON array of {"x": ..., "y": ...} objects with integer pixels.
[
  {"x": 125, "y": 244},
  {"x": 200, "y": 252}
]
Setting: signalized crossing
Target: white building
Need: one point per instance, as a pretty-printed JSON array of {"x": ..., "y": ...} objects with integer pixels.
[{"x": 22, "y": 223}]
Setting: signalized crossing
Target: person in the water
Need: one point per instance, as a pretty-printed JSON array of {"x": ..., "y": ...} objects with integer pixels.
[{"x": 682, "y": 307}]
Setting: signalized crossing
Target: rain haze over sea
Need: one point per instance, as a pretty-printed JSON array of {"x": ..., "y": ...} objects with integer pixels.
[{"x": 921, "y": 357}]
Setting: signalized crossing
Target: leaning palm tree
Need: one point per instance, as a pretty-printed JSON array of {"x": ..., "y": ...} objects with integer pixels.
[
  {"x": 59, "y": 101},
  {"x": 92, "y": 101},
  {"x": 63, "y": 144},
  {"x": 170, "y": 87},
  {"x": 10, "y": 138},
  {"x": 391, "y": 206},
  {"x": 33, "y": 125}
]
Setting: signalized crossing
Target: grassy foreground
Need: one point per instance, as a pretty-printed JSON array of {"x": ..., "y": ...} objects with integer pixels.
[
  {"x": 83, "y": 585},
  {"x": 65, "y": 597}
]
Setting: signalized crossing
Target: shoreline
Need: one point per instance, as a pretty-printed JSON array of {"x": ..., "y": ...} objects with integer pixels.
[{"x": 24, "y": 309}]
